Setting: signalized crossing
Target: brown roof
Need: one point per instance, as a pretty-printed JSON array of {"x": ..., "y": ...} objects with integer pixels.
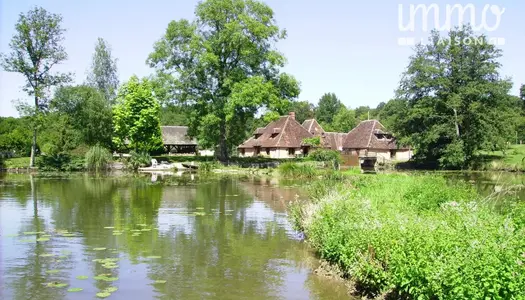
[
  {"x": 176, "y": 135},
  {"x": 333, "y": 140},
  {"x": 313, "y": 127},
  {"x": 284, "y": 132},
  {"x": 370, "y": 134}
]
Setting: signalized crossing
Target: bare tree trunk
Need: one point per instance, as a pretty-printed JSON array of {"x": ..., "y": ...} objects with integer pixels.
[
  {"x": 456, "y": 121},
  {"x": 33, "y": 150},
  {"x": 223, "y": 147}
]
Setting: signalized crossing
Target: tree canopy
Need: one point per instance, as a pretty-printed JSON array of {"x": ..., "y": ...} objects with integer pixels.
[
  {"x": 327, "y": 108},
  {"x": 136, "y": 120},
  {"x": 36, "y": 47},
  {"x": 456, "y": 101},
  {"x": 103, "y": 71},
  {"x": 304, "y": 110},
  {"x": 225, "y": 65}
]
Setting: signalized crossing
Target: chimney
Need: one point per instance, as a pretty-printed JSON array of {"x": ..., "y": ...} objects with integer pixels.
[{"x": 292, "y": 115}]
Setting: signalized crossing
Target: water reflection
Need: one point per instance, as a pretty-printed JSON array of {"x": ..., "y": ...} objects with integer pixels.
[{"x": 173, "y": 238}]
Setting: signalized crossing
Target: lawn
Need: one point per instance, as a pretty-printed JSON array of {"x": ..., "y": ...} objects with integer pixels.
[
  {"x": 16, "y": 162},
  {"x": 510, "y": 160}
]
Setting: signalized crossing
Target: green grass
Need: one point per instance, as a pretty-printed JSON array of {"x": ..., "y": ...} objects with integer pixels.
[
  {"x": 417, "y": 237},
  {"x": 16, "y": 162},
  {"x": 509, "y": 160}
]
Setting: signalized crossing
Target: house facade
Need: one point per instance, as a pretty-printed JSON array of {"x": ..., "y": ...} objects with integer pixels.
[{"x": 370, "y": 139}]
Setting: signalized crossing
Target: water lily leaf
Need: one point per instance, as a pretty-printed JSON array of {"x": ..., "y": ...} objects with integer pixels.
[
  {"x": 142, "y": 225},
  {"x": 111, "y": 289},
  {"x": 45, "y": 235},
  {"x": 74, "y": 290},
  {"x": 56, "y": 284},
  {"x": 109, "y": 227},
  {"x": 30, "y": 233},
  {"x": 153, "y": 256},
  {"x": 160, "y": 281},
  {"x": 58, "y": 261},
  {"x": 136, "y": 234},
  {"x": 103, "y": 294},
  {"x": 52, "y": 271},
  {"x": 44, "y": 239},
  {"x": 66, "y": 252},
  {"x": 26, "y": 240},
  {"x": 146, "y": 229},
  {"x": 46, "y": 255},
  {"x": 105, "y": 278},
  {"x": 68, "y": 235},
  {"x": 199, "y": 208},
  {"x": 12, "y": 235},
  {"x": 200, "y": 213},
  {"x": 82, "y": 277},
  {"x": 99, "y": 249},
  {"x": 110, "y": 266}
]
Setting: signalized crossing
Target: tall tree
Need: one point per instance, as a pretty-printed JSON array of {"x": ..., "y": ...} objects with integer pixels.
[
  {"x": 36, "y": 47},
  {"x": 87, "y": 111},
  {"x": 344, "y": 120},
  {"x": 456, "y": 101},
  {"x": 136, "y": 119},
  {"x": 103, "y": 72},
  {"x": 303, "y": 110},
  {"x": 522, "y": 92},
  {"x": 226, "y": 67},
  {"x": 328, "y": 106}
]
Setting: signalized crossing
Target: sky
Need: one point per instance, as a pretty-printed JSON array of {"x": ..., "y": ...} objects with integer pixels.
[{"x": 350, "y": 48}]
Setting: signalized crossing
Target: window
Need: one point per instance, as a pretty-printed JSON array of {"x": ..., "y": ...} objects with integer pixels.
[
  {"x": 267, "y": 151},
  {"x": 242, "y": 151},
  {"x": 257, "y": 151},
  {"x": 291, "y": 151}
]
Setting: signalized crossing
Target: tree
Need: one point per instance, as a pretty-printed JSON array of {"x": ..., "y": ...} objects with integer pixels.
[
  {"x": 225, "y": 66},
  {"x": 136, "y": 117},
  {"x": 363, "y": 113},
  {"x": 522, "y": 92},
  {"x": 87, "y": 111},
  {"x": 35, "y": 48},
  {"x": 103, "y": 72},
  {"x": 344, "y": 120},
  {"x": 456, "y": 101},
  {"x": 391, "y": 112},
  {"x": 328, "y": 106},
  {"x": 303, "y": 110}
]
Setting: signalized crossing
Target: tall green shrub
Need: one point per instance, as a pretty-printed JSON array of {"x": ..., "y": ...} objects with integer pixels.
[{"x": 98, "y": 158}]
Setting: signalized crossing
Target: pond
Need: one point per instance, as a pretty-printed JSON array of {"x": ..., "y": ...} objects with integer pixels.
[{"x": 84, "y": 237}]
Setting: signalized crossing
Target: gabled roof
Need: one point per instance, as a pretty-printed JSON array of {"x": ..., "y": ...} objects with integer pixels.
[
  {"x": 313, "y": 127},
  {"x": 284, "y": 132},
  {"x": 369, "y": 134},
  {"x": 333, "y": 140},
  {"x": 176, "y": 135}
]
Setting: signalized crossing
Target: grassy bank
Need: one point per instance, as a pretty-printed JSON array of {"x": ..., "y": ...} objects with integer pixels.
[
  {"x": 417, "y": 237},
  {"x": 16, "y": 162},
  {"x": 512, "y": 160}
]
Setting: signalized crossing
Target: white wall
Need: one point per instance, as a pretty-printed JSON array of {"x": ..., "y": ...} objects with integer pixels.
[{"x": 403, "y": 155}]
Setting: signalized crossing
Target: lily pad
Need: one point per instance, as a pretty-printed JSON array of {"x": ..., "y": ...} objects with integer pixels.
[
  {"x": 153, "y": 257},
  {"x": 44, "y": 239},
  {"x": 200, "y": 214},
  {"x": 99, "y": 249},
  {"x": 103, "y": 294},
  {"x": 46, "y": 255},
  {"x": 117, "y": 233},
  {"x": 30, "y": 233},
  {"x": 111, "y": 289},
  {"x": 105, "y": 278},
  {"x": 160, "y": 281},
  {"x": 26, "y": 240},
  {"x": 56, "y": 284},
  {"x": 12, "y": 235},
  {"x": 136, "y": 234},
  {"x": 69, "y": 235},
  {"x": 52, "y": 271},
  {"x": 145, "y": 229},
  {"x": 199, "y": 208},
  {"x": 74, "y": 290},
  {"x": 142, "y": 225},
  {"x": 82, "y": 277},
  {"x": 109, "y": 227},
  {"x": 110, "y": 266},
  {"x": 66, "y": 252},
  {"x": 45, "y": 235}
]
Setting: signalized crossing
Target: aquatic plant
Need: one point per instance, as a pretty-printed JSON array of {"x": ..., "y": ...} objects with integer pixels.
[
  {"x": 98, "y": 158},
  {"x": 75, "y": 290},
  {"x": 82, "y": 277},
  {"x": 417, "y": 237}
]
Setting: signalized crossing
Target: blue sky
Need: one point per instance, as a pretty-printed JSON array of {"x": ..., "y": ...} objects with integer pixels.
[{"x": 349, "y": 48}]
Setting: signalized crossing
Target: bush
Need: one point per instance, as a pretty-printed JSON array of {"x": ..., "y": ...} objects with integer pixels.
[
  {"x": 98, "y": 158},
  {"x": 416, "y": 237},
  {"x": 297, "y": 170},
  {"x": 327, "y": 156},
  {"x": 208, "y": 166},
  {"x": 60, "y": 162},
  {"x": 137, "y": 160}
]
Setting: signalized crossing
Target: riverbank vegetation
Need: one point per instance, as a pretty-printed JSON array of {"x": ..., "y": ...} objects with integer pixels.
[{"x": 416, "y": 237}]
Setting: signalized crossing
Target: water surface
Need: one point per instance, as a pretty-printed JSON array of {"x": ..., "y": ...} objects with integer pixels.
[{"x": 169, "y": 239}]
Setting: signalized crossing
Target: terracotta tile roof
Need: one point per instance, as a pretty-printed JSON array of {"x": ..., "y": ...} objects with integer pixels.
[
  {"x": 370, "y": 134},
  {"x": 333, "y": 140},
  {"x": 313, "y": 127},
  {"x": 176, "y": 135},
  {"x": 285, "y": 132}
]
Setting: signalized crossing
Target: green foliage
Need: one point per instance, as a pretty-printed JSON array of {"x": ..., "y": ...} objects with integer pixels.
[
  {"x": 15, "y": 136},
  {"x": 60, "y": 162},
  {"x": 226, "y": 67},
  {"x": 304, "y": 110},
  {"x": 327, "y": 108},
  {"x": 417, "y": 237},
  {"x": 343, "y": 121},
  {"x": 35, "y": 49},
  {"x": 136, "y": 117},
  {"x": 87, "y": 111},
  {"x": 174, "y": 115},
  {"x": 18, "y": 162},
  {"x": 103, "y": 72},
  {"x": 208, "y": 166},
  {"x": 325, "y": 155},
  {"x": 313, "y": 141},
  {"x": 297, "y": 170},
  {"x": 455, "y": 92},
  {"x": 137, "y": 160},
  {"x": 363, "y": 113},
  {"x": 98, "y": 158}
]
